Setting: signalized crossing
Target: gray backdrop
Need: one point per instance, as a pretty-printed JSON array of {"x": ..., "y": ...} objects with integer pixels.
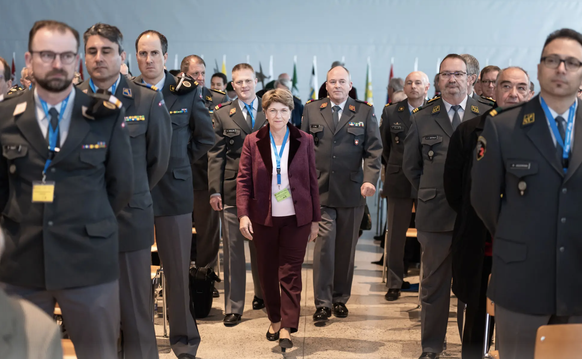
[{"x": 496, "y": 32}]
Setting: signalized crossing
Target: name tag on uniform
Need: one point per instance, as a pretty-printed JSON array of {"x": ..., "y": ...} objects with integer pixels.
[
  {"x": 282, "y": 195},
  {"x": 43, "y": 192}
]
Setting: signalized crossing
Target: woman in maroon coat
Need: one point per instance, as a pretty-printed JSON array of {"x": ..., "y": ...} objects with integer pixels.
[{"x": 278, "y": 208}]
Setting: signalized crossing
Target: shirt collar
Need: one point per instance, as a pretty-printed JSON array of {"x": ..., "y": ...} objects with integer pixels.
[
  {"x": 341, "y": 105},
  {"x": 448, "y": 105}
]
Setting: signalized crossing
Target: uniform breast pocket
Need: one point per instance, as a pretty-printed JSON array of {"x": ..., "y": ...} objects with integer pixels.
[
  {"x": 317, "y": 132},
  {"x": 520, "y": 174},
  {"x": 430, "y": 145},
  {"x": 93, "y": 158},
  {"x": 232, "y": 137},
  {"x": 358, "y": 135}
]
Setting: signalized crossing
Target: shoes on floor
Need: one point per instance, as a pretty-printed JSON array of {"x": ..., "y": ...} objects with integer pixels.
[
  {"x": 232, "y": 319},
  {"x": 392, "y": 295},
  {"x": 258, "y": 303},
  {"x": 340, "y": 310}
]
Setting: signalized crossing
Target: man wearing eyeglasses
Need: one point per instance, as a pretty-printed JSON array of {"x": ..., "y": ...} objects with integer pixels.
[
  {"x": 233, "y": 121},
  {"x": 488, "y": 78},
  {"x": 425, "y": 150},
  {"x": 173, "y": 196},
  {"x": 65, "y": 175},
  {"x": 471, "y": 248},
  {"x": 531, "y": 154}
]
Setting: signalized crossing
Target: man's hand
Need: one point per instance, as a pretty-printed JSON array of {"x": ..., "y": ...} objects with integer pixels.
[
  {"x": 246, "y": 227},
  {"x": 368, "y": 189},
  {"x": 216, "y": 203},
  {"x": 314, "y": 231}
]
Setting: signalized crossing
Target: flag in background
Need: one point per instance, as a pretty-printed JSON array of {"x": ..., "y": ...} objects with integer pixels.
[
  {"x": 314, "y": 88},
  {"x": 13, "y": 73},
  {"x": 369, "y": 97},
  {"x": 390, "y": 78},
  {"x": 294, "y": 88},
  {"x": 224, "y": 64}
]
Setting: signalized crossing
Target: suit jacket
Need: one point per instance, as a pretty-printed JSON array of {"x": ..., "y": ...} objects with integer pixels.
[
  {"x": 191, "y": 139},
  {"x": 340, "y": 150},
  {"x": 26, "y": 331},
  {"x": 395, "y": 126},
  {"x": 71, "y": 242},
  {"x": 212, "y": 98},
  {"x": 425, "y": 151},
  {"x": 150, "y": 131},
  {"x": 230, "y": 129},
  {"x": 255, "y": 178},
  {"x": 469, "y": 234},
  {"x": 536, "y": 249}
]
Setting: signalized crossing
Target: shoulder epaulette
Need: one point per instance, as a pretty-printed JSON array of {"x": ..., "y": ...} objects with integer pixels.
[
  {"x": 433, "y": 99},
  {"x": 218, "y": 91},
  {"x": 148, "y": 86},
  {"x": 221, "y": 105}
]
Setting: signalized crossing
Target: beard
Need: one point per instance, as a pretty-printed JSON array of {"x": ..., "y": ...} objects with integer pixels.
[{"x": 55, "y": 84}]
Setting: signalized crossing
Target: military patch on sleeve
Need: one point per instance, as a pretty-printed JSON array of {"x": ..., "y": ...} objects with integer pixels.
[
  {"x": 528, "y": 119},
  {"x": 481, "y": 148}
]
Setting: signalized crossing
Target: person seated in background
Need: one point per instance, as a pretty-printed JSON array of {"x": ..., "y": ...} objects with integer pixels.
[{"x": 280, "y": 212}]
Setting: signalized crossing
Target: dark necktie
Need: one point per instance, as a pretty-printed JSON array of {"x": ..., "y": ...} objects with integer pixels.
[
  {"x": 54, "y": 123},
  {"x": 456, "y": 117},
  {"x": 336, "y": 110}
]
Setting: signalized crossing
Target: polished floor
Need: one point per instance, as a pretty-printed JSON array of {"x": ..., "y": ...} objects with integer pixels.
[{"x": 374, "y": 328}]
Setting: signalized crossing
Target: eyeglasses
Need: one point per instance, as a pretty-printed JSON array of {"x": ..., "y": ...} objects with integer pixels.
[
  {"x": 456, "y": 74},
  {"x": 488, "y": 82},
  {"x": 48, "y": 57},
  {"x": 554, "y": 61}
]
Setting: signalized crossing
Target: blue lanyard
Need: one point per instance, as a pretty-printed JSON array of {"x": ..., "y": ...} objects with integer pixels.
[
  {"x": 94, "y": 88},
  {"x": 280, "y": 154},
  {"x": 250, "y": 111},
  {"x": 568, "y": 135},
  {"x": 53, "y": 132}
]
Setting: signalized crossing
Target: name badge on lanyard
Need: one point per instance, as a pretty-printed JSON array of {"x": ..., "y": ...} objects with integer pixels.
[{"x": 566, "y": 144}]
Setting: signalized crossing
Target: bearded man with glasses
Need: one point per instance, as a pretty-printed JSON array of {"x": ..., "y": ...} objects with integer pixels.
[{"x": 425, "y": 151}]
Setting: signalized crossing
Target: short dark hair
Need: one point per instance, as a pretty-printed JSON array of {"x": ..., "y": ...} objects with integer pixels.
[
  {"x": 185, "y": 65},
  {"x": 221, "y": 75},
  {"x": 454, "y": 56},
  {"x": 163, "y": 40},
  {"x": 109, "y": 32},
  {"x": 490, "y": 68},
  {"x": 7, "y": 70},
  {"x": 563, "y": 34},
  {"x": 52, "y": 25}
]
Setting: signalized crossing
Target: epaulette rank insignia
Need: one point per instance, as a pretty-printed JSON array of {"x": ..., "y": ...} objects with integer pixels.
[
  {"x": 127, "y": 92},
  {"x": 528, "y": 119},
  {"x": 433, "y": 99},
  {"x": 232, "y": 111},
  {"x": 474, "y": 109},
  {"x": 323, "y": 105},
  {"x": 352, "y": 108},
  {"x": 436, "y": 109}
]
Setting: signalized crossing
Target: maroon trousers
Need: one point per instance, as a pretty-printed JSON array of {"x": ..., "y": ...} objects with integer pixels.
[{"x": 280, "y": 252}]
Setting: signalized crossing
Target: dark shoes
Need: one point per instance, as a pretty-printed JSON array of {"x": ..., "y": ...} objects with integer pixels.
[
  {"x": 232, "y": 319},
  {"x": 258, "y": 303},
  {"x": 321, "y": 315},
  {"x": 340, "y": 310},
  {"x": 426, "y": 355},
  {"x": 392, "y": 295}
]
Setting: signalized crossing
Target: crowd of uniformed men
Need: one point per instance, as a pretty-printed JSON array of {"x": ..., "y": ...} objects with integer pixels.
[{"x": 89, "y": 175}]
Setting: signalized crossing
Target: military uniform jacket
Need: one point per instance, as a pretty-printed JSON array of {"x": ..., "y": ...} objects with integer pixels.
[
  {"x": 150, "y": 131},
  {"x": 425, "y": 152},
  {"x": 340, "y": 150},
  {"x": 395, "y": 126},
  {"x": 71, "y": 242},
  {"x": 191, "y": 138},
  {"x": 230, "y": 129},
  {"x": 212, "y": 98},
  {"x": 536, "y": 246}
]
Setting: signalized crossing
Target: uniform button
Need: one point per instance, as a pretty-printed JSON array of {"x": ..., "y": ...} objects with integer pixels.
[
  {"x": 562, "y": 249},
  {"x": 563, "y": 220},
  {"x": 50, "y": 223},
  {"x": 53, "y": 170},
  {"x": 564, "y": 190}
]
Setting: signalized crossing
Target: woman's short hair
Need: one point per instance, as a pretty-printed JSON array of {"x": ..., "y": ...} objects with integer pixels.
[{"x": 278, "y": 95}]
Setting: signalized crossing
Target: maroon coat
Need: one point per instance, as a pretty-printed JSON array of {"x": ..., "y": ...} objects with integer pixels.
[{"x": 253, "y": 190}]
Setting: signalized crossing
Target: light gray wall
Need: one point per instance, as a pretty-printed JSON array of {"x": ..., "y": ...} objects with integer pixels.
[{"x": 496, "y": 32}]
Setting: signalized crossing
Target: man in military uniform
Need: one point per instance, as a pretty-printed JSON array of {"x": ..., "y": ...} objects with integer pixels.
[
  {"x": 425, "y": 150},
  {"x": 150, "y": 130},
  {"x": 397, "y": 188},
  {"x": 233, "y": 121},
  {"x": 527, "y": 187},
  {"x": 173, "y": 196},
  {"x": 5, "y": 79},
  {"x": 64, "y": 176},
  {"x": 346, "y": 135}
]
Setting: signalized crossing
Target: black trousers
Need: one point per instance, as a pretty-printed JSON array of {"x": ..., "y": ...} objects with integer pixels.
[{"x": 474, "y": 331}]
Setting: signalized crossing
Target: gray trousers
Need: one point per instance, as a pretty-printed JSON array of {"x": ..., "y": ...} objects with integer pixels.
[
  {"x": 435, "y": 294},
  {"x": 90, "y": 314},
  {"x": 398, "y": 220},
  {"x": 334, "y": 254},
  {"x": 516, "y": 332},
  {"x": 136, "y": 303},
  {"x": 207, "y": 222},
  {"x": 235, "y": 273},
  {"x": 174, "y": 238}
]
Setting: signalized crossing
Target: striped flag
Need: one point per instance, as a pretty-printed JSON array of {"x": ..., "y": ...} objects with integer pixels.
[
  {"x": 314, "y": 88},
  {"x": 369, "y": 97},
  {"x": 294, "y": 88}
]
